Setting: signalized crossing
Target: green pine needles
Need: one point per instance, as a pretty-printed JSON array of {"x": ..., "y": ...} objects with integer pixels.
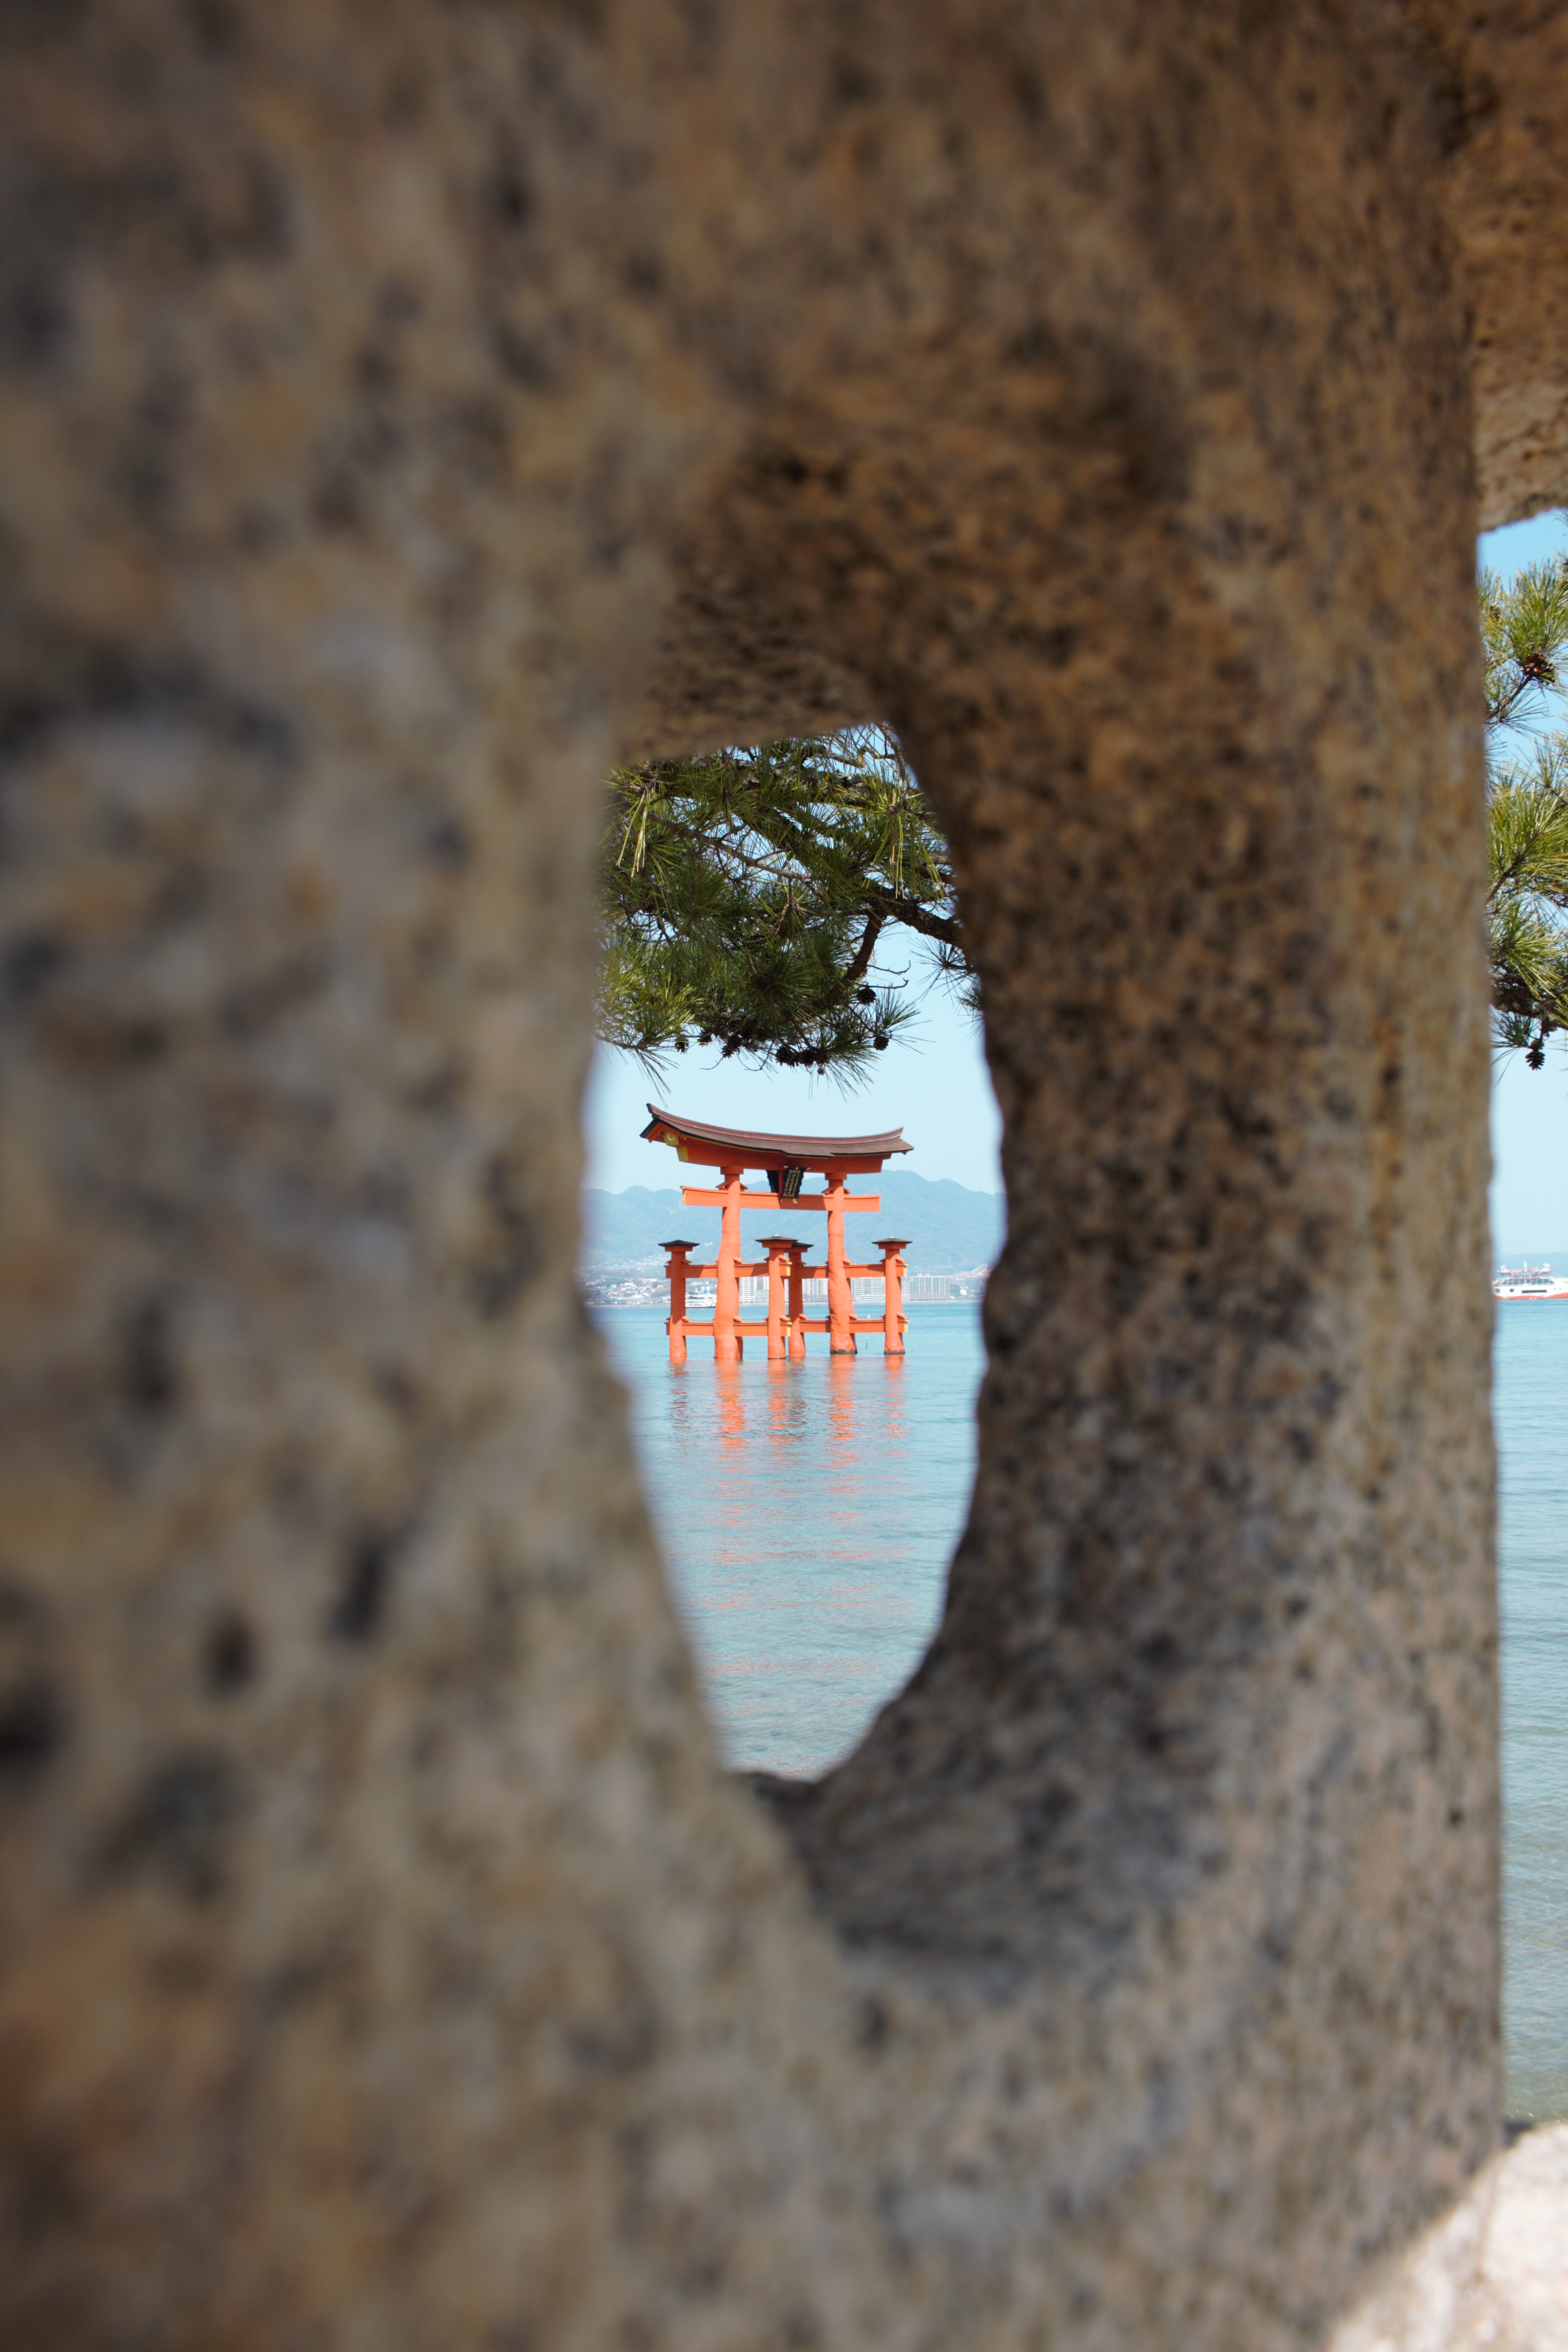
[
  {"x": 789, "y": 904},
  {"x": 1524, "y": 631}
]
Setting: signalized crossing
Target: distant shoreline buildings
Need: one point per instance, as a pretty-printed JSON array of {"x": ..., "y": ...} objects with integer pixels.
[{"x": 638, "y": 1287}]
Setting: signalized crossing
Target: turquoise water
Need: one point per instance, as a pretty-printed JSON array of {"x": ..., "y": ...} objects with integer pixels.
[
  {"x": 1529, "y": 1406},
  {"x": 808, "y": 1512}
]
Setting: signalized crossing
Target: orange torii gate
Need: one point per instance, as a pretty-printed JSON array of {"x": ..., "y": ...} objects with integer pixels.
[{"x": 784, "y": 1160}]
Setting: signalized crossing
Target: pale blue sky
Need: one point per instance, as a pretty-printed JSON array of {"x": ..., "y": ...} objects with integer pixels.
[
  {"x": 937, "y": 1091},
  {"x": 936, "y": 1088}
]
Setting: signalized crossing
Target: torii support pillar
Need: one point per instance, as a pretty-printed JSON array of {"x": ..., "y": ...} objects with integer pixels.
[
  {"x": 727, "y": 1344},
  {"x": 840, "y": 1289},
  {"x": 895, "y": 1322},
  {"x": 785, "y": 1254},
  {"x": 797, "y": 1302},
  {"x": 679, "y": 1272}
]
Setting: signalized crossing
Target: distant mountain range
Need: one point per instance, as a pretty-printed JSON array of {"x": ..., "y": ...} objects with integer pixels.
[{"x": 949, "y": 1229}]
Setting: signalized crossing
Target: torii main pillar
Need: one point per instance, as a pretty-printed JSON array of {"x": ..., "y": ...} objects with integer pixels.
[{"x": 784, "y": 1161}]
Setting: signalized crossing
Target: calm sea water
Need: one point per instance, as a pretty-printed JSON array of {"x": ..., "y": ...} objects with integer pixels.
[
  {"x": 1530, "y": 1408},
  {"x": 808, "y": 1512}
]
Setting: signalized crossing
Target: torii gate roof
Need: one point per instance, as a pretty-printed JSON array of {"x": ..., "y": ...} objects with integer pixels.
[{"x": 711, "y": 1146}]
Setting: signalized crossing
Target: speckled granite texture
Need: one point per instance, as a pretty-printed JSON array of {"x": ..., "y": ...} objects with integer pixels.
[{"x": 402, "y": 407}]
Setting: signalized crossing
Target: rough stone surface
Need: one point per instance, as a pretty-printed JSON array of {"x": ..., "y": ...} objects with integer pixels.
[
  {"x": 1499, "y": 74},
  {"x": 402, "y": 407}
]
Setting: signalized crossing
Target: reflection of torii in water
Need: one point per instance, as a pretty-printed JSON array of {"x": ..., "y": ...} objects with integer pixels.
[{"x": 784, "y": 1161}]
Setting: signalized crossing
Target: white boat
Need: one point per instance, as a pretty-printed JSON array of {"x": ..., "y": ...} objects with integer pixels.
[{"x": 1529, "y": 1282}]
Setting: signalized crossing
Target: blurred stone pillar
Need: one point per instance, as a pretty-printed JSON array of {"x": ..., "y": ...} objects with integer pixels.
[{"x": 387, "y": 1958}]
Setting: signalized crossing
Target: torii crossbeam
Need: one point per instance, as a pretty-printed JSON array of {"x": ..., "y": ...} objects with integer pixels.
[{"x": 784, "y": 1161}]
